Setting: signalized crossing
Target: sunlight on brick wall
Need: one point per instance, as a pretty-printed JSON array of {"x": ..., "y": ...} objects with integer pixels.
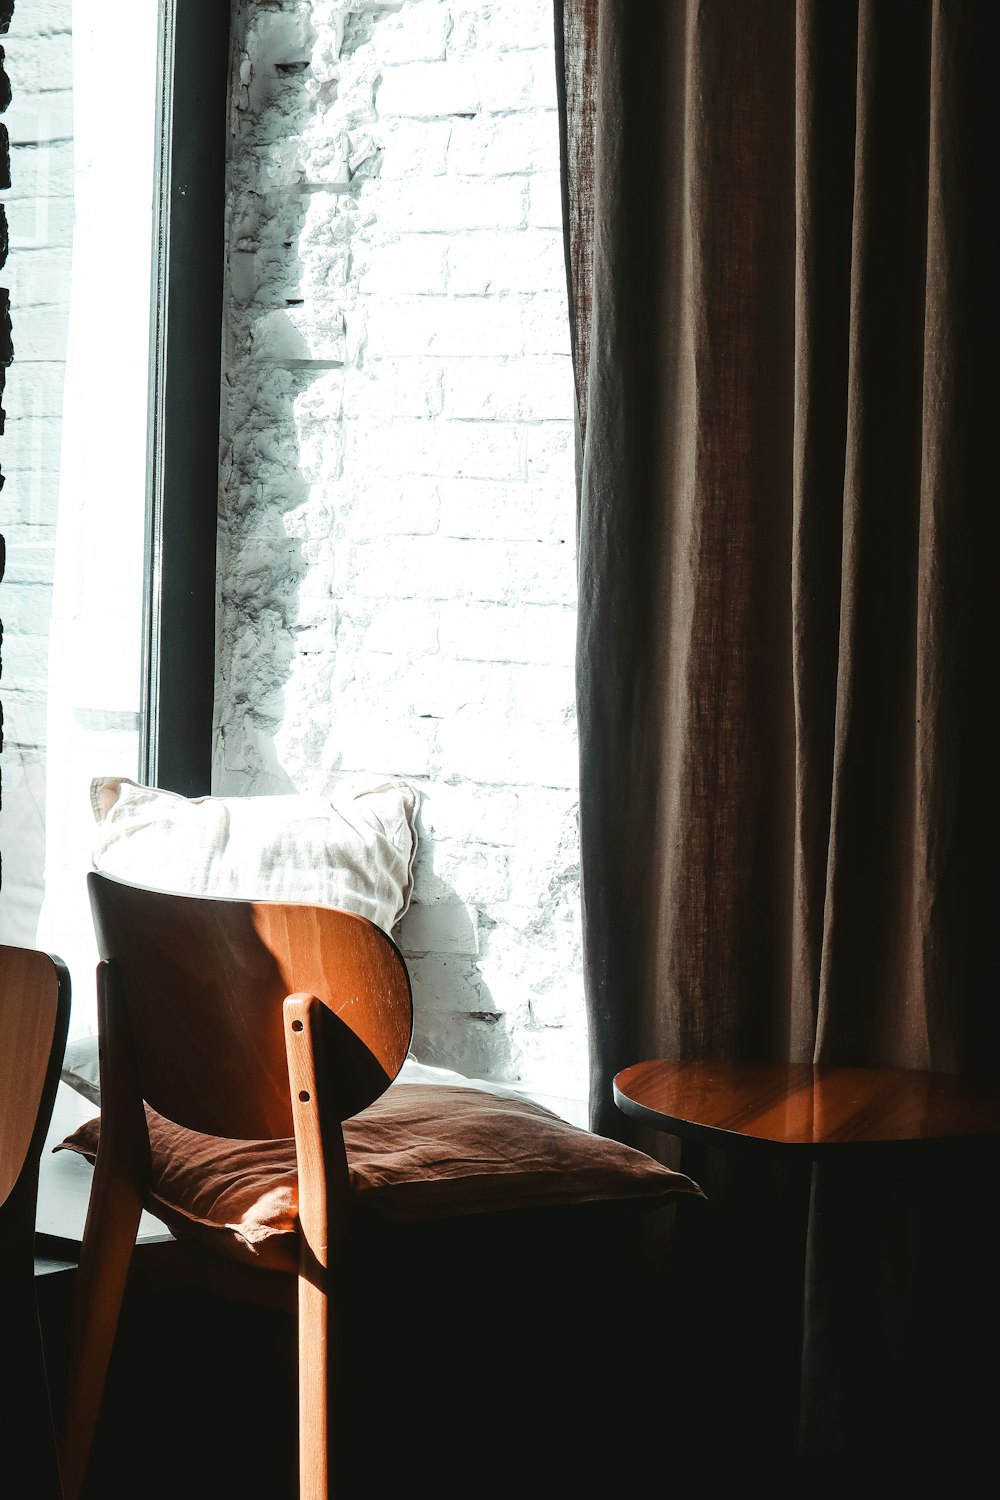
[{"x": 397, "y": 499}]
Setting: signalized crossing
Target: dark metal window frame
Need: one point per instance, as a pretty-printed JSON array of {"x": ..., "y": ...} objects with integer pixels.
[{"x": 185, "y": 384}]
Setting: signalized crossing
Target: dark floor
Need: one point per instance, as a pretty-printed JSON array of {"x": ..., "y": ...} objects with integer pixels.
[
  {"x": 558, "y": 1359},
  {"x": 483, "y": 1368}
]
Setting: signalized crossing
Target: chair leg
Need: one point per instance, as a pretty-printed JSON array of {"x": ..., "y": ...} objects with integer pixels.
[
  {"x": 26, "y": 1424},
  {"x": 314, "y": 1397},
  {"x": 324, "y": 1184},
  {"x": 105, "y": 1257}
]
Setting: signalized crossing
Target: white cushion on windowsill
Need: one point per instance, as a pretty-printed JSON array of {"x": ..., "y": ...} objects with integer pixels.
[{"x": 355, "y": 853}]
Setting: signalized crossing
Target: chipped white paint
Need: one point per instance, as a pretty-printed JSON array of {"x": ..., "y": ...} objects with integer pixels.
[{"x": 397, "y": 502}]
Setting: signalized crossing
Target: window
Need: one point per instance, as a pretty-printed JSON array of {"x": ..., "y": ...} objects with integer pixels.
[
  {"x": 108, "y": 598},
  {"x": 394, "y": 514}
]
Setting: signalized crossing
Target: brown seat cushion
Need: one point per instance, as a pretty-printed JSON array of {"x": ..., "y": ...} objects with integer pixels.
[{"x": 422, "y": 1151}]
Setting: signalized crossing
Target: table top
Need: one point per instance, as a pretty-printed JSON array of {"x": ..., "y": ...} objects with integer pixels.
[{"x": 798, "y": 1105}]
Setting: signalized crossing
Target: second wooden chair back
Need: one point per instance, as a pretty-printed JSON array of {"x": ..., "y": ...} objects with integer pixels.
[{"x": 34, "y": 1017}]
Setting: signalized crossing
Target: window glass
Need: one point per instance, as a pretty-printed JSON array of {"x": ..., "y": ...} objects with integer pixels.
[{"x": 82, "y": 123}]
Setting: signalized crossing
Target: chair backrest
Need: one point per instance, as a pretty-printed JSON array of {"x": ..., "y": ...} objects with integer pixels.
[
  {"x": 34, "y": 1019},
  {"x": 201, "y": 983}
]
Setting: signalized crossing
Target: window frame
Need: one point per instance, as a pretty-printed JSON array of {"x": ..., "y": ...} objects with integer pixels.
[{"x": 179, "y": 613}]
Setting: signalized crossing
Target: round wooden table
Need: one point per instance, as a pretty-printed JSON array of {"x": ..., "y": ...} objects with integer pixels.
[
  {"x": 805, "y": 1109},
  {"x": 818, "y": 1294}
]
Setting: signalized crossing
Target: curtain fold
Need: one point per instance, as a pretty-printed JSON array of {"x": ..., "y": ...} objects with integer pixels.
[{"x": 782, "y": 263}]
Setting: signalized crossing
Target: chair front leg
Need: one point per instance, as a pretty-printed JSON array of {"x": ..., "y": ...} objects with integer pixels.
[
  {"x": 116, "y": 1203},
  {"x": 324, "y": 1190}
]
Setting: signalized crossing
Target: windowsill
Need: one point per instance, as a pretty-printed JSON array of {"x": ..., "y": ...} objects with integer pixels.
[{"x": 64, "y": 1180}]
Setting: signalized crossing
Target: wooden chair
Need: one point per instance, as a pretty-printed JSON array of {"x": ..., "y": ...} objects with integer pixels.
[
  {"x": 258, "y": 1022},
  {"x": 34, "y": 1017}
]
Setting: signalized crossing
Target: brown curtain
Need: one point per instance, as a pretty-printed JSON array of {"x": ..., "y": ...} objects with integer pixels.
[{"x": 783, "y": 267}]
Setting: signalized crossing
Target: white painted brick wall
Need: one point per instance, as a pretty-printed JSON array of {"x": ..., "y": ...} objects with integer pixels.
[
  {"x": 39, "y": 209},
  {"x": 397, "y": 499}
]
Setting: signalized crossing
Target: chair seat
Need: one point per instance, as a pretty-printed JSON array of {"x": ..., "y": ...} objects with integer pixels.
[{"x": 421, "y": 1151}]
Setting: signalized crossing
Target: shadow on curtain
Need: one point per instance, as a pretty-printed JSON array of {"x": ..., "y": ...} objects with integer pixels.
[{"x": 783, "y": 265}]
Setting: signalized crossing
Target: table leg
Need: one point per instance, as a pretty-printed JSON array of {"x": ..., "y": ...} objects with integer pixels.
[{"x": 737, "y": 1279}]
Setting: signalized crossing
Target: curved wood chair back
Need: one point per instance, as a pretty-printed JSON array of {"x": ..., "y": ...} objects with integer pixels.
[
  {"x": 202, "y": 983},
  {"x": 34, "y": 1020}
]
